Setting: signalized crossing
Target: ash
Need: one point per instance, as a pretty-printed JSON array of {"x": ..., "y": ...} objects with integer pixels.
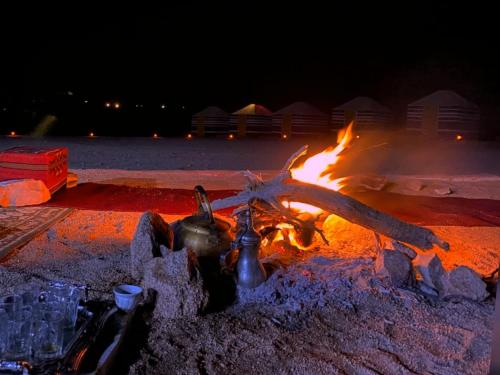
[
  {"x": 318, "y": 314},
  {"x": 313, "y": 283}
]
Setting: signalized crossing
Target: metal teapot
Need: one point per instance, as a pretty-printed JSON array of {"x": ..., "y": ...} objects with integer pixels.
[
  {"x": 206, "y": 235},
  {"x": 250, "y": 272}
]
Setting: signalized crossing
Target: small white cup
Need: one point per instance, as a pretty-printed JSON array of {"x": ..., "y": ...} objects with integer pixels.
[{"x": 127, "y": 296}]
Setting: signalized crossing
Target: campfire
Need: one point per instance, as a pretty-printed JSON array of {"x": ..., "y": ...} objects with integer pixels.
[{"x": 291, "y": 210}]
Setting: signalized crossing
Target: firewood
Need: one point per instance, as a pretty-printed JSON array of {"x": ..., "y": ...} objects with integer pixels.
[{"x": 283, "y": 187}]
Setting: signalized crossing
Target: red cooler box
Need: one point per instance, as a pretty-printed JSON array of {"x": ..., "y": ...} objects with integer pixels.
[{"x": 47, "y": 164}]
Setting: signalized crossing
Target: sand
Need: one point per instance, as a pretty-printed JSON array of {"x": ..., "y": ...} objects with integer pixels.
[
  {"x": 385, "y": 153},
  {"x": 322, "y": 312}
]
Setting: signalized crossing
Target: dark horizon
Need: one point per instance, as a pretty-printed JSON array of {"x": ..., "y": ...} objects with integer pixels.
[{"x": 221, "y": 54}]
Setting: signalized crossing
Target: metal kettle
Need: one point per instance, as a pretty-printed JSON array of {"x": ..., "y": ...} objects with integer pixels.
[
  {"x": 250, "y": 272},
  {"x": 206, "y": 235}
]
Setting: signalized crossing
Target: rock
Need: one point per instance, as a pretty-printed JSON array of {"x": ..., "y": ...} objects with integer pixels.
[
  {"x": 414, "y": 185},
  {"x": 394, "y": 265},
  {"x": 178, "y": 285},
  {"x": 17, "y": 193},
  {"x": 442, "y": 190},
  {"x": 491, "y": 281},
  {"x": 408, "y": 251},
  {"x": 467, "y": 283},
  {"x": 151, "y": 232},
  {"x": 430, "y": 271},
  {"x": 461, "y": 281},
  {"x": 427, "y": 289}
]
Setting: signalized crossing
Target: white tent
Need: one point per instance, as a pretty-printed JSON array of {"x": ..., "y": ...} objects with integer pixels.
[
  {"x": 367, "y": 113},
  {"x": 210, "y": 121},
  {"x": 443, "y": 111},
  {"x": 300, "y": 118}
]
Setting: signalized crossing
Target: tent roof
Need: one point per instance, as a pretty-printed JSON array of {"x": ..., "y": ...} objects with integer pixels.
[
  {"x": 253, "y": 109},
  {"x": 363, "y": 103},
  {"x": 300, "y": 108},
  {"x": 212, "y": 111},
  {"x": 444, "y": 97}
]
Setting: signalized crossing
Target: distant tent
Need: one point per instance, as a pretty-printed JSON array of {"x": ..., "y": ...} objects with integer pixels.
[
  {"x": 300, "y": 118},
  {"x": 443, "y": 112},
  {"x": 210, "y": 121},
  {"x": 254, "y": 119},
  {"x": 367, "y": 113}
]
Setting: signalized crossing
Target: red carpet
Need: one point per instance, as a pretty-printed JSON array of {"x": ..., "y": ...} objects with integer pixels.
[
  {"x": 107, "y": 197},
  {"x": 414, "y": 209}
]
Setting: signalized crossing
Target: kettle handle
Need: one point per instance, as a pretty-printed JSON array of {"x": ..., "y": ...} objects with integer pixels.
[{"x": 202, "y": 202}]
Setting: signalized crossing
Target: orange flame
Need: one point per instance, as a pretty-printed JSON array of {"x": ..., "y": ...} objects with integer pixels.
[
  {"x": 318, "y": 170},
  {"x": 287, "y": 231}
]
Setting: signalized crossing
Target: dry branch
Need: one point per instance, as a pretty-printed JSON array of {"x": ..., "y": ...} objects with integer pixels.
[{"x": 282, "y": 188}]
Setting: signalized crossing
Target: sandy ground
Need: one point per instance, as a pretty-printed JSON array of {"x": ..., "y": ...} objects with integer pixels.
[
  {"x": 321, "y": 312},
  {"x": 387, "y": 153},
  {"x": 324, "y": 312}
]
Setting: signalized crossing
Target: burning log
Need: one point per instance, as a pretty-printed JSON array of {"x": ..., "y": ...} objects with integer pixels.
[
  {"x": 274, "y": 191},
  {"x": 284, "y": 188}
]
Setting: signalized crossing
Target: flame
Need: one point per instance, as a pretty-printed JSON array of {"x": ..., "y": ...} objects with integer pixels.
[
  {"x": 287, "y": 231},
  {"x": 318, "y": 170},
  {"x": 302, "y": 207}
]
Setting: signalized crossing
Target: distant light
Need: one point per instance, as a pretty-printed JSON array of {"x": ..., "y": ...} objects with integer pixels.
[
  {"x": 183, "y": 107},
  {"x": 163, "y": 106},
  {"x": 70, "y": 93},
  {"x": 108, "y": 104},
  {"x": 189, "y": 136},
  {"x": 86, "y": 101},
  {"x": 459, "y": 137},
  {"x": 231, "y": 136},
  {"x": 117, "y": 105},
  {"x": 284, "y": 136},
  {"x": 357, "y": 137},
  {"x": 4, "y": 109},
  {"x": 91, "y": 134},
  {"x": 13, "y": 134},
  {"x": 155, "y": 135}
]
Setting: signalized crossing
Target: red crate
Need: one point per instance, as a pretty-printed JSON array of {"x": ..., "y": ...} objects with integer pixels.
[{"x": 47, "y": 164}]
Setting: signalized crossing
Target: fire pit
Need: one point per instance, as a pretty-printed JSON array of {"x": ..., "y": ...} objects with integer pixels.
[{"x": 293, "y": 206}]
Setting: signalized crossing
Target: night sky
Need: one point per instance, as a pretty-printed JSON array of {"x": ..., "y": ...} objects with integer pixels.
[{"x": 230, "y": 54}]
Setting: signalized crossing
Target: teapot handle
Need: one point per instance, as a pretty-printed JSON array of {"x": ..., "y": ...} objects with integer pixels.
[{"x": 202, "y": 202}]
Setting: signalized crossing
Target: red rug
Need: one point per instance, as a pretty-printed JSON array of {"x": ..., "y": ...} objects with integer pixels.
[{"x": 414, "y": 209}]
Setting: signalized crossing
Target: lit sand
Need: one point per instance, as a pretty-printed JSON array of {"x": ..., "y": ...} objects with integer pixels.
[
  {"x": 324, "y": 312},
  {"x": 327, "y": 318}
]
